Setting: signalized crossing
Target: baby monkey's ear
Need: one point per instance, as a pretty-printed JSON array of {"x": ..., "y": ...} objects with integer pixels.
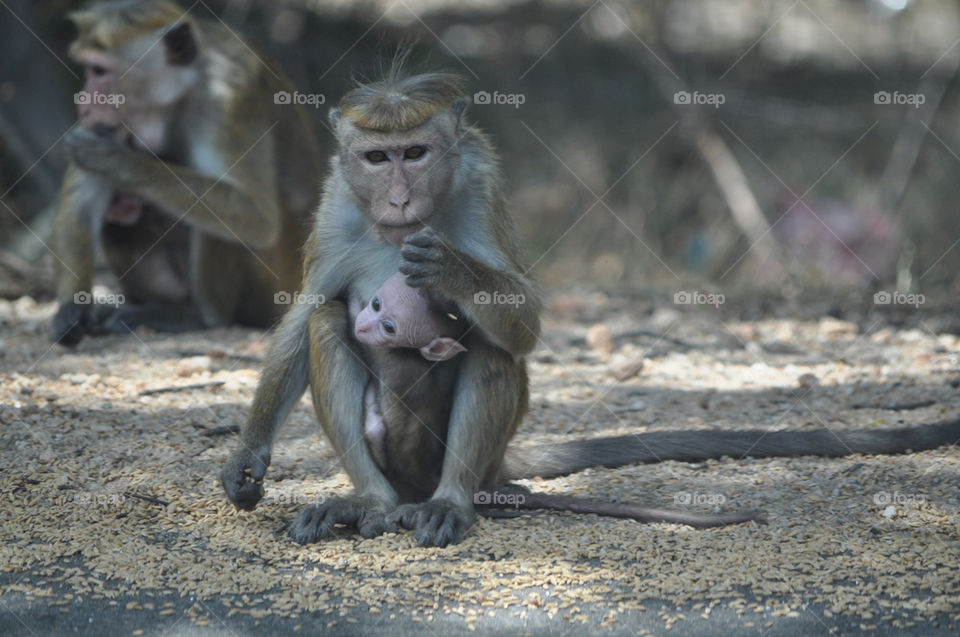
[{"x": 442, "y": 348}]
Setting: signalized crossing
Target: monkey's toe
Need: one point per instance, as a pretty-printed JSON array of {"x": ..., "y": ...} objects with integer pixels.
[
  {"x": 317, "y": 521},
  {"x": 311, "y": 525},
  {"x": 434, "y": 523}
]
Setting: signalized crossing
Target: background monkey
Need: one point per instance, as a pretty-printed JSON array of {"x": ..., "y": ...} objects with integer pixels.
[
  {"x": 197, "y": 184},
  {"x": 413, "y": 187}
]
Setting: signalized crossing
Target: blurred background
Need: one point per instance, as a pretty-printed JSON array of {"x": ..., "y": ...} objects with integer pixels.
[{"x": 781, "y": 146}]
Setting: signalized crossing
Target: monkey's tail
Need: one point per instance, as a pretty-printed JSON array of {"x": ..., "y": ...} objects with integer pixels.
[
  {"x": 574, "y": 504},
  {"x": 551, "y": 460}
]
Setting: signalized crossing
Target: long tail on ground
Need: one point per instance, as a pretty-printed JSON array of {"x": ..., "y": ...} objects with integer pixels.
[{"x": 551, "y": 460}]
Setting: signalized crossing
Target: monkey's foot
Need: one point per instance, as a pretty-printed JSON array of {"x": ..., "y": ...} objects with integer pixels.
[
  {"x": 70, "y": 323},
  {"x": 366, "y": 514},
  {"x": 435, "y": 522},
  {"x": 242, "y": 477}
]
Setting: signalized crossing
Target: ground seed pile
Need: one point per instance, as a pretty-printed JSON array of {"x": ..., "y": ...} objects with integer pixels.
[{"x": 109, "y": 488}]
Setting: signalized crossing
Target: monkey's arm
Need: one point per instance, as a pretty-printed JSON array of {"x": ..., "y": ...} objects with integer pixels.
[
  {"x": 81, "y": 207},
  {"x": 510, "y": 320},
  {"x": 282, "y": 382},
  {"x": 235, "y": 202}
]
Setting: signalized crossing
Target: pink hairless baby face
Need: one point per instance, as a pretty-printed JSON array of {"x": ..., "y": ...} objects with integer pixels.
[{"x": 400, "y": 316}]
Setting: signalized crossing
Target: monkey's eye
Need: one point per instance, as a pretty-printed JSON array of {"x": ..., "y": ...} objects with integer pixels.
[
  {"x": 376, "y": 156},
  {"x": 375, "y": 304},
  {"x": 389, "y": 328},
  {"x": 97, "y": 70},
  {"x": 414, "y": 152}
]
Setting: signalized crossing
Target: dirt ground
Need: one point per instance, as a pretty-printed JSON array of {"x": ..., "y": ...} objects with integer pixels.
[{"x": 113, "y": 521}]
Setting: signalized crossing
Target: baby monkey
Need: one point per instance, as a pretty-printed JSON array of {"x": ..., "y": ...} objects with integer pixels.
[{"x": 399, "y": 316}]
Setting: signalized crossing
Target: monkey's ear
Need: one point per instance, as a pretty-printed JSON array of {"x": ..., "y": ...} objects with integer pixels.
[
  {"x": 459, "y": 106},
  {"x": 180, "y": 44},
  {"x": 334, "y": 117},
  {"x": 441, "y": 348}
]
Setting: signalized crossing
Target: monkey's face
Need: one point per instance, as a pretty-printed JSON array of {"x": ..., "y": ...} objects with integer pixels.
[
  {"x": 375, "y": 326},
  {"x": 397, "y": 316},
  {"x": 402, "y": 179},
  {"x": 144, "y": 74}
]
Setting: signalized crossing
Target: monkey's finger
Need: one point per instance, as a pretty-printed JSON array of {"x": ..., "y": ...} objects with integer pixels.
[
  {"x": 425, "y": 236},
  {"x": 420, "y": 282},
  {"x": 414, "y": 253},
  {"x": 247, "y": 496}
]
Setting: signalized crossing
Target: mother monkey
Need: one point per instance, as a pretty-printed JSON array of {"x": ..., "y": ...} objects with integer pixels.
[{"x": 414, "y": 188}]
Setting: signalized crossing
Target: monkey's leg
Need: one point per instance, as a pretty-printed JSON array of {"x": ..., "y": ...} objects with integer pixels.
[
  {"x": 489, "y": 397},
  {"x": 82, "y": 204},
  {"x": 282, "y": 382},
  {"x": 218, "y": 279},
  {"x": 338, "y": 380}
]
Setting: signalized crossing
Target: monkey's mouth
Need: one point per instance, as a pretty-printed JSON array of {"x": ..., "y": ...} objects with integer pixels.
[
  {"x": 398, "y": 227},
  {"x": 396, "y": 233}
]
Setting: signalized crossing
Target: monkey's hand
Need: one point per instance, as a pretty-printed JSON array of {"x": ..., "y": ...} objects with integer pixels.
[
  {"x": 242, "y": 477},
  {"x": 367, "y": 514},
  {"x": 71, "y": 322},
  {"x": 434, "y": 522},
  {"x": 98, "y": 153},
  {"x": 429, "y": 261}
]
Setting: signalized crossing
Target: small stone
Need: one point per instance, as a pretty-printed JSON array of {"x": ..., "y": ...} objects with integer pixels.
[
  {"x": 628, "y": 370},
  {"x": 193, "y": 365},
  {"x": 889, "y": 512},
  {"x": 599, "y": 339},
  {"x": 832, "y": 327},
  {"x": 807, "y": 381}
]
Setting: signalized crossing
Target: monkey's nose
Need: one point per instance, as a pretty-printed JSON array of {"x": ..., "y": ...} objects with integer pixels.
[{"x": 396, "y": 203}]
